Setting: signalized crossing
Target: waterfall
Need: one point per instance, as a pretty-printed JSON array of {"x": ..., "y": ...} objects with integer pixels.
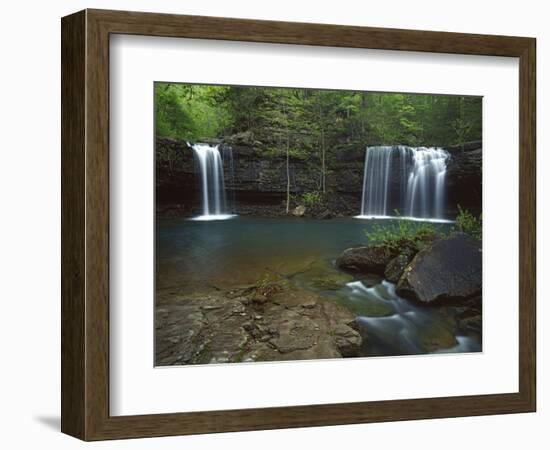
[
  {"x": 418, "y": 193},
  {"x": 376, "y": 180},
  {"x": 211, "y": 171}
]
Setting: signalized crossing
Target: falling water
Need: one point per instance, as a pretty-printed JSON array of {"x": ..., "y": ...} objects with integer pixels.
[
  {"x": 210, "y": 167},
  {"x": 376, "y": 180},
  {"x": 421, "y": 193}
]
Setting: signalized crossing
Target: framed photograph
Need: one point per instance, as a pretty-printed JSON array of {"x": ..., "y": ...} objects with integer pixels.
[{"x": 270, "y": 224}]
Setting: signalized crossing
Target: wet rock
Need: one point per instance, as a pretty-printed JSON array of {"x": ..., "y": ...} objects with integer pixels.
[
  {"x": 396, "y": 267},
  {"x": 295, "y": 333},
  {"x": 371, "y": 259},
  {"x": 291, "y": 298},
  {"x": 258, "y": 298},
  {"x": 447, "y": 270},
  {"x": 347, "y": 340},
  {"x": 470, "y": 319},
  {"x": 322, "y": 275},
  {"x": 177, "y": 347},
  {"x": 290, "y": 324},
  {"x": 472, "y": 323},
  {"x": 437, "y": 337}
]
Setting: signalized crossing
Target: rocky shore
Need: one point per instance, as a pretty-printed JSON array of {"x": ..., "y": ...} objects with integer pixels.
[{"x": 264, "y": 322}]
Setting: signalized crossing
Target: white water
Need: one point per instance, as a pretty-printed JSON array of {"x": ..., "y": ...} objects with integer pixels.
[
  {"x": 403, "y": 329},
  {"x": 418, "y": 194},
  {"x": 210, "y": 167}
]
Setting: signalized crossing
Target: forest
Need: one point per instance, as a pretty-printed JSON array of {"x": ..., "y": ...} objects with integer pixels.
[{"x": 308, "y": 119}]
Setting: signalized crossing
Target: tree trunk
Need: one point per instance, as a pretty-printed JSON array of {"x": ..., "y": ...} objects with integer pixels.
[
  {"x": 287, "y": 161},
  {"x": 323, "y": 166}
]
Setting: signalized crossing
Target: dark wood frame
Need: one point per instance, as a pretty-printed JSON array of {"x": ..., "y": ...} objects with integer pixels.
[{"x": 85, "y": 224}]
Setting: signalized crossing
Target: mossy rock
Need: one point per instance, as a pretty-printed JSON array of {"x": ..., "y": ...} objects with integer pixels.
[
  {"x": 369, "y": 259},
  {"x": 372, "y": 309},
  {"x": 437, "y": 337},
  {"x": 323, "y": 276}
]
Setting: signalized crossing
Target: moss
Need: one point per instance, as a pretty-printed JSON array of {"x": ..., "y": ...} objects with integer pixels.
[{"x": 322, "y": 276}]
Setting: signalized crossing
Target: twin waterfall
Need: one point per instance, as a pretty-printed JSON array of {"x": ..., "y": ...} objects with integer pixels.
[
  {"x": 210, "y": 165},
  {"x": 409, "y": 179}
]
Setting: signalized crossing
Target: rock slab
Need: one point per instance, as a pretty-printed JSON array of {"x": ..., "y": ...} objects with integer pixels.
[
  {"x": 369, "y": 260},
  {"x": 216, "y": 327},
  {"x": 396, "y": 267},
  {"x": 447, "y": 270}
]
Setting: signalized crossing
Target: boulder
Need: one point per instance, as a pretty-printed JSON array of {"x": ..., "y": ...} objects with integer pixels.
[
  {"x": 396, "y": 267},
  {"x": 371, "y": 259},
  {"x": 299, "y": 211},
  {"x": 448, "y": 269}
]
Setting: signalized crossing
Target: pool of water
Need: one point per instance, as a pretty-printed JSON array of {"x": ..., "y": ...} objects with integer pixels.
[{"x": 193, "y": 255}]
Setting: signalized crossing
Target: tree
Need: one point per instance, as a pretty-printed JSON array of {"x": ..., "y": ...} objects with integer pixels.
[{"x": 287, "y": 159}]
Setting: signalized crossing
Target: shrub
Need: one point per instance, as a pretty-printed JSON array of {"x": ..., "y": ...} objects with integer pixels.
[
  {"x": 403, "y": 233},
  {"x": 468, "y": 223},
  {"x": 310, "y": 199}
]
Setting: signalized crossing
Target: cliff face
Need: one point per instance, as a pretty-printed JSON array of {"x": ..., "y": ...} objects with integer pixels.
[
  {"x": 267, "y": 176},
  {"x": 260, "y": 179},
  {"x": 464, "y": 178}
]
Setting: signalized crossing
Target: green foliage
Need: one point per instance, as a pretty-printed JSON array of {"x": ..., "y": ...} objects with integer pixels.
[
  {"x": 461, "y": 128},
  {"x": 310, "y": 199},
  {"x": 190, "y": 112},
  {"x": 468, "y": 223},
  {"x": 311, "y": 116},
  {"x": 402, "y": 234}
]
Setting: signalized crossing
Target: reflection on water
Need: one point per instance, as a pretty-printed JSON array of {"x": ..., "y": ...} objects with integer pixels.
[{"x": 191, "y": 255}]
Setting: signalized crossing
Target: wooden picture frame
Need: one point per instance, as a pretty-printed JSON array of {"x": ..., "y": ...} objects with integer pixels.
[{"x": 85, "y": 224}]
